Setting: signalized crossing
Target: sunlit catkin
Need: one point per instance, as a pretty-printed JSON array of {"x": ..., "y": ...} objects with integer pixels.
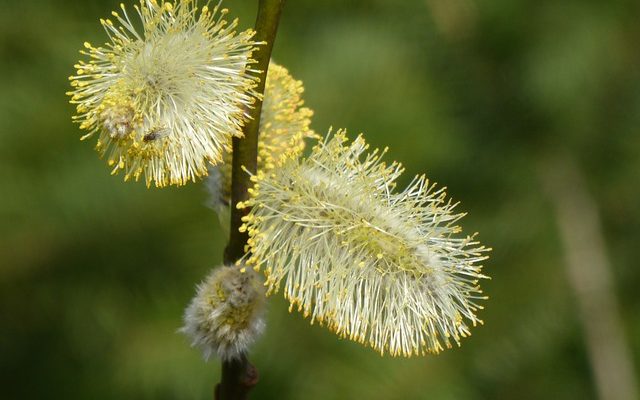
[
  {"x": 284, "y": 126},
  {"x": 376, "y": 265},
  {"x": 167, "y": 93},
  {"x": 226, "y": 315}
]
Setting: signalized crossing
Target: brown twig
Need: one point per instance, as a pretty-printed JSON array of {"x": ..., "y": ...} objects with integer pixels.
[{"x": 239, "y": 376}]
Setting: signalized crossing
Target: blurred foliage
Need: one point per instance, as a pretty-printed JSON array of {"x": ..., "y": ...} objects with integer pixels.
[{"x": 95, "y": 273}]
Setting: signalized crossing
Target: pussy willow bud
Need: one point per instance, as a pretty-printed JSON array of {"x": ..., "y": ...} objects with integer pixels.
[{"x": 226, "y": 315}]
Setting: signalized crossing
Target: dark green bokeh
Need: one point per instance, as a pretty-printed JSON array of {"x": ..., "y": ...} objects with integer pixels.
[{"x": 95, "y": 273}]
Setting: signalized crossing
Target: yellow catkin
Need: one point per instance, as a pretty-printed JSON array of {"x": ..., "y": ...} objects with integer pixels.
[
  {"x": 378, "y": 266},
  {"x": 165, "y": 100},
  {"x": 284, "y": 126}
]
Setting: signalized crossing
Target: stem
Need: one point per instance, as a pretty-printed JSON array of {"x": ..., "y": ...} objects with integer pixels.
[
  {"x": 239, "y": 376},
  {"x": 245, "y": 150},
  {"x": 590, "y": 277}
]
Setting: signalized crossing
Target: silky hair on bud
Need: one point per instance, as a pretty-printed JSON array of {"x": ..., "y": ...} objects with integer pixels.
[{"x": 226, "y": 316}]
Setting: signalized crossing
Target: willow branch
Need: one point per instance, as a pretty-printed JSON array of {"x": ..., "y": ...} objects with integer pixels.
[
  {"x": 589, "y": 271},
  {"x": 239, "y": 376},
  {"x": 245, "y": 150}
]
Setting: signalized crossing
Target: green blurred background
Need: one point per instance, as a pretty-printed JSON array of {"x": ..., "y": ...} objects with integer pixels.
[{"x": 480, "y": 95}]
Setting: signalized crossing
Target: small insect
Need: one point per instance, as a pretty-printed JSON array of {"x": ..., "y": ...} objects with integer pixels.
[{"x": 155, "y": 134}]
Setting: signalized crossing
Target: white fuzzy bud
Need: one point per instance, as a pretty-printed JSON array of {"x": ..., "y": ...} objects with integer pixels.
[{"x": 226, "y": 315}]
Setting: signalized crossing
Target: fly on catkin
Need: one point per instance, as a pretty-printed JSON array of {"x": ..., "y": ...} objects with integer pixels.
[
  {"x": 379, "y": 266},
  {"x": 167, "y": 93},
  {"x": 226, "y": 315}
]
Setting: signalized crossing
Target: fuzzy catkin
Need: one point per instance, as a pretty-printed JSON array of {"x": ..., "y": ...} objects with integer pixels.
[
  {"x": 165, "y": 100},
  {"x": 379, "y": 266},
  {"x": 226, "y": 315},
  {"x": 284, "y": 127}
]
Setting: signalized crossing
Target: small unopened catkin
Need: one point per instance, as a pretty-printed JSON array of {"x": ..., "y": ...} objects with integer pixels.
[{"x": 226, "y": 315}]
